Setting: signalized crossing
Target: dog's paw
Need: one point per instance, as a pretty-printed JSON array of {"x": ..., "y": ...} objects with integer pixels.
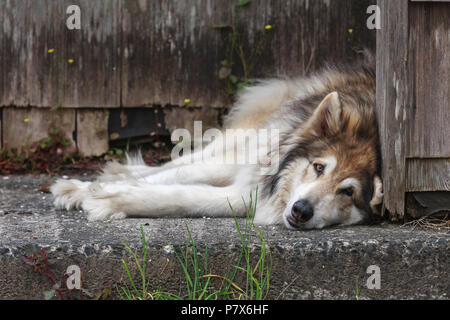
[
  {"x": 101, "y": 204},
  {"x": 101, "y": 209},
  {"x": 69, "y": 194}
]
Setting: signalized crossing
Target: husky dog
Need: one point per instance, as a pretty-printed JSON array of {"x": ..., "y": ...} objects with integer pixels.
[{"x": 327, "y": 174}]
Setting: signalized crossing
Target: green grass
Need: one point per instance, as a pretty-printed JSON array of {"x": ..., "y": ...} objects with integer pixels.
[
  {"x": 357, "y": 287},
  {"x": 257, "y": 277},
  {"x": 132, "y": 291},
  {"x": 247, "y": 278}
]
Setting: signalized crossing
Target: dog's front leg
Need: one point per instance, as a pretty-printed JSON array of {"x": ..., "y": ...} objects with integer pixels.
[{"x": 113, "y": 200}]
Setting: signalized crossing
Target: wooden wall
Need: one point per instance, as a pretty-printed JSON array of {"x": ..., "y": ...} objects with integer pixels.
[
  {"x": 31, "y": 76},
  {"x": 146, "y": 52},
  {"x": 413, "y": 100},
  {"x": 155, "y": 52},
  {"x": 429, "y": 58}
]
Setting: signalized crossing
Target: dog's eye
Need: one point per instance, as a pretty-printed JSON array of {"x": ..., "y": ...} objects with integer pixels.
[
  {"x": 347, "y": 191},
  {"x": 319, "y": 168}
]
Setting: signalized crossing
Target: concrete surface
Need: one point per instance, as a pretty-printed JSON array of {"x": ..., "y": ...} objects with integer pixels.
[{"x": 319, "y": 264}]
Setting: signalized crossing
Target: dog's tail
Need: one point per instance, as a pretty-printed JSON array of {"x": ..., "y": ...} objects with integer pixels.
[
  {"x": 263, "y": 98},
  {"x": 114, "y": 170},
  {"x": 135, "y": 159}
]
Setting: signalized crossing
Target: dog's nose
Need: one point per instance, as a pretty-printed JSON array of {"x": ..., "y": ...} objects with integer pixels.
[{"x": 302, "y": 210}]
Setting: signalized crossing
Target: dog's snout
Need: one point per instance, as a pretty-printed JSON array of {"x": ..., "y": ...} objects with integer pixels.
[{"x": 302, "y": 210}]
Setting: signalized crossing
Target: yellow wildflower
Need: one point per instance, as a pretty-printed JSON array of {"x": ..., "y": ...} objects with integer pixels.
[
  {"x": 268, "y": 27},
  {"x": 26, "y": 120},
  {"x": 350, "y": 31},
  {"x": 187, "y": 100},
  {"x": 70, "y": 61},
  {"x": 51, "y": 50}
]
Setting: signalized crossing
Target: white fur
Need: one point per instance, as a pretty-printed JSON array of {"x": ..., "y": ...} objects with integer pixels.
[
  {"x": 350, "y": 182},
  {"x": 69, "y": 194}
]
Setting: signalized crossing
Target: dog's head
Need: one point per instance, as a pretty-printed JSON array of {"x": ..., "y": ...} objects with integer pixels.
[{"x": 331, "y": 174}]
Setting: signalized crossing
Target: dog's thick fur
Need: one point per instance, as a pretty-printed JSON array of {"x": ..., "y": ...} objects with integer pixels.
[{"x": 327, "y": 173}]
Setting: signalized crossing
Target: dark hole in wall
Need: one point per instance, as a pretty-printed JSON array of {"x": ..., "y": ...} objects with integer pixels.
[
  {"x": 421, "y": 204},
  {"x": 133, "y": 123}
]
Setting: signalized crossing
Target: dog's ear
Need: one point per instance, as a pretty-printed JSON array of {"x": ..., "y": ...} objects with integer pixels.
[
  {"x": 326, "y": 119},
  {"x": 377, "y": 197}
]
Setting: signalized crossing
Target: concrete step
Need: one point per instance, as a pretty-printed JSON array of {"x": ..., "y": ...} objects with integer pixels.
[{"x": 318, "y": 264}]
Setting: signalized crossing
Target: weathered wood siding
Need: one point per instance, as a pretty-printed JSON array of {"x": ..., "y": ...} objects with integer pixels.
[
  {"x": 32, "y": 76},
  {"x": 392, "y": 100},
  {"x": 141, "y": 53},
  {"x": 413, "y": 81},
  {"x": 429, "y": 38}
]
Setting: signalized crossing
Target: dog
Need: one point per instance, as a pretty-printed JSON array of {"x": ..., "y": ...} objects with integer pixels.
[{"x": 327, "y": 161}]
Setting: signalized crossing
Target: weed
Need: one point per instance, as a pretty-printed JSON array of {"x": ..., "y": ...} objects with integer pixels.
[
  {"x": 45, "y": 155},
  {"x": 198, "y": 280},
  {"x": 357, "y": 287},
  {"x": 143, "y": 293},
  {"x": 195, "y": 272},
  {"x": 238, "y": 64},
  {"x": 38, "y": 259},
  {"x": 257, "y": 278},
  {"x": 115, "y": 154}
]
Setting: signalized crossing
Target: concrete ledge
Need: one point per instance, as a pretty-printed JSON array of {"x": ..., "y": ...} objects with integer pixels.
[{"x": 316, "y": 264}]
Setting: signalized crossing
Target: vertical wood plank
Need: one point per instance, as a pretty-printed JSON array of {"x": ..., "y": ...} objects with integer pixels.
[
  {"x": 429, "y": 134},
  {"x": 393, "y": 101},
  {"x": 92, "y": 132},
  {"x": 170, "y": 52},
  {"x": 30, "y": 75},
  {"x": 93, "y": 79}
]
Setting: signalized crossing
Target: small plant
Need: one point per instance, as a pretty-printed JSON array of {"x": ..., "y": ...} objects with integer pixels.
[
  {"x": 143, "y": 292},
  {"x": 116, "y": 154},
  {"x": 45, "y": 155},
  {"x": 198, "y": 280},
  {"x": 357, "y": 287},
  {"x": 238, "y": 64},
  {"x": 38, "y": 259},
  {"x": 257, "y": 276},
  {"x": 196, "y": 272},
  {"x": 134, "y": 293}
]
